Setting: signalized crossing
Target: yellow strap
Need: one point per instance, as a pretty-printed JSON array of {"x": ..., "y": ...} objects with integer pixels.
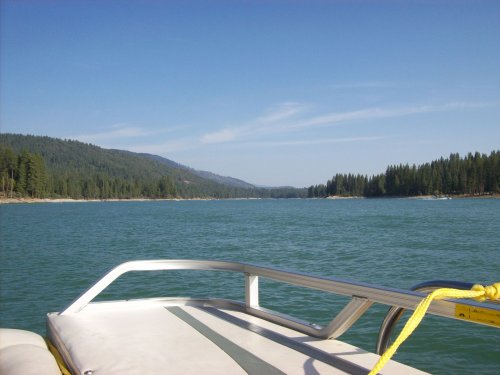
[
  {"x": 58, "y": 358},
  {"x": 478, "y": 292}
]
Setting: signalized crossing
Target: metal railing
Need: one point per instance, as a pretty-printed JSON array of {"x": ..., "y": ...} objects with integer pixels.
[
  {"x": 362, "y": 295},
  {"x": 395, "y": 313}
]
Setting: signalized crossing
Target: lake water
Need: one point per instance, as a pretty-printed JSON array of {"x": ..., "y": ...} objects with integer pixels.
[{"x": 50, "y": 253}]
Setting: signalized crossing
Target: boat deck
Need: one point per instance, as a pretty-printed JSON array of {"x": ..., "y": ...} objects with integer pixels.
[
  {"x": 185, "y": 335},
  {"x": 162, "y": 337}
]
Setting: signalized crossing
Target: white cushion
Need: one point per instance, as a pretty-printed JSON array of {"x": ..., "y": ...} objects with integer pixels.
[
  {"x": 27, "y": 359},
  {"x": 9, "y": 337},
  {"x": 148, "y": 341}
]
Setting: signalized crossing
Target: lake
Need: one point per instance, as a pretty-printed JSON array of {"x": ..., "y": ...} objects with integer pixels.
[{"x": 51, "y": 253}]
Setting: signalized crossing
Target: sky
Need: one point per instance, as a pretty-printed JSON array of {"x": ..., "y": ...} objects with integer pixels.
[{"x": 276, "y": 93}]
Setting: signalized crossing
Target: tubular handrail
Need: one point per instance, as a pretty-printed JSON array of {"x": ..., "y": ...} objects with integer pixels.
[
  {"x": 395, "y": 313},
  {"x": 362, "y": 295}
]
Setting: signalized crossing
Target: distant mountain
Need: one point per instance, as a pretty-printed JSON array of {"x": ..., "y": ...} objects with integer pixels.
[
  {"x": 45, "y": 166},
  {"x": 224, "y": 180}
]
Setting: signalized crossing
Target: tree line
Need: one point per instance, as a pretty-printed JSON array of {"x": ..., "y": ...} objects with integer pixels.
[
  {"x": 474, "y": 174},
  {"x": 44, "y": 167},
  {"x": 23, "y": 174}
]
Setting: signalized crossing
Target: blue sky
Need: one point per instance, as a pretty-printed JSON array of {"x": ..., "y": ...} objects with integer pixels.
[{"x": 271, "y": 92}]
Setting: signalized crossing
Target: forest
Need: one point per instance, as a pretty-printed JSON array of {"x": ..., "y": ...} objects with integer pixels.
[
  {"x": 45, "y": 167},
  {"x": 474, "y": 175}
]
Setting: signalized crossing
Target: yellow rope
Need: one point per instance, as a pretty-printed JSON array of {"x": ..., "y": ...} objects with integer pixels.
[{"x": 478, "y": 292}]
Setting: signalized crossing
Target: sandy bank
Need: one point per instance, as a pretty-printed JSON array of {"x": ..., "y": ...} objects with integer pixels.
[
  {"x": 344, "y": 197},
  {"x": 70, "y": 200}
]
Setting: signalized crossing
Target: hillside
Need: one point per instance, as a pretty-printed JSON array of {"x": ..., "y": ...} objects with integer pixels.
[
  {"x": 48, "y": 167},
  {"x": 224, "y": 180}
]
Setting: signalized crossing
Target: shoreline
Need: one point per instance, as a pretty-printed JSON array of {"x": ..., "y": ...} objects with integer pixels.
[
  {"x": 71, "y": 200},
  {"x": 26, "y": 200}
]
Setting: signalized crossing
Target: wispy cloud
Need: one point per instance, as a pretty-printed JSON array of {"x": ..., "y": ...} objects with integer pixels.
[
  {"x": 167, "y": 147},
  {"x": 222, "y": 136},
  {"x": 282, "y": 112},
  {"x": 289, "y": 117},
  {"x": 312, "y": 142},
  {"x": 119, "y": 131},
  {"x": 280, "y": 126},
  {"x": 362, "y": 114},
  {"x": 262, "y": 125},
  {"x": 125, "y": 132},
  {"x": 366, "y": 85}
]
